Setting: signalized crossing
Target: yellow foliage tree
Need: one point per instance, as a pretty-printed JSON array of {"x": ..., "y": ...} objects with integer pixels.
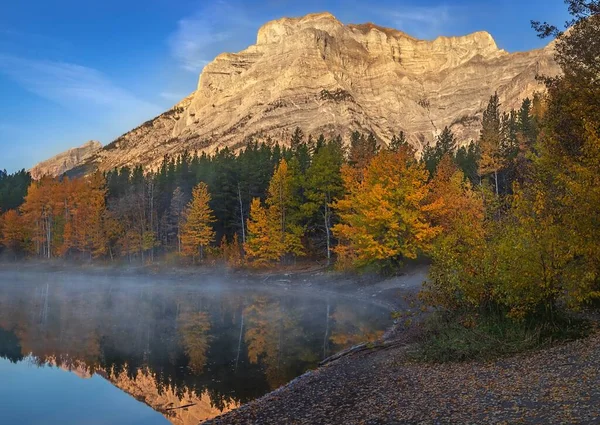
[
  {"x": 194, "y": 331},
  {"x": 273, "y": 232},
  {"x": 263, "y": 244},
  {"x": 232, "y": 252},
  {"x": 280, "y": 198},
  {"x": 383, "y": 216},
  {"x": 197, "y": 231}
]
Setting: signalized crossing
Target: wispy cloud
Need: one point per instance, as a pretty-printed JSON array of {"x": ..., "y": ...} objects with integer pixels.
[
  {"x": 173, "y": 96},
  {"x": 73, "y": 86},
  {"x": 422, "y": 21},
  {"x": 200, "y": 37}
]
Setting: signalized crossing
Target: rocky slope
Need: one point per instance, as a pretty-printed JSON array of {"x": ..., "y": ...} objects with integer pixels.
[
  {"x": 326, "y": 77},
  {"x": 65, "y": 161}
]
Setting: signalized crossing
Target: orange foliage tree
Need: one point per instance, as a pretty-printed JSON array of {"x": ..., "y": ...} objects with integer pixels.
[
  {"x": 12, "y": 231},
  {"x": 457, "y": 251},
  {"x": 40, "y": 211},
  {"x": 384, "y": 215}
]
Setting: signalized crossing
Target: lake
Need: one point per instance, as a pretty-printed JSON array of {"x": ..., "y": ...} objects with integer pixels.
[{"x": 77, "y": 349}]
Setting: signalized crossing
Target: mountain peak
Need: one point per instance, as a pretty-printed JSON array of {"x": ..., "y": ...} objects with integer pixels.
[
  {"x": 315, "y": 73},
  {"x": 275, "y": 31},
  {"x": 65, "y": 161}
]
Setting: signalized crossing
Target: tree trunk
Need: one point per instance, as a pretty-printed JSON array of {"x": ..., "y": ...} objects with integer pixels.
[
  {"x": 237, "y": 359},
  {"x": 326, "y": 332},
  {"x": 496, "y": 178},
  {"x": 242, "y": 215},
  {"x": 328, "y": 233}
]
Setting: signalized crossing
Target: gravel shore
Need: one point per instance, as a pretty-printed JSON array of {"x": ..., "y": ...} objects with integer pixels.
[{"x": 560, "y": 385}]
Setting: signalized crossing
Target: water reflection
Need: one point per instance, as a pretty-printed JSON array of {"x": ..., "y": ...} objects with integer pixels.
[{"x": 188, "y": 351}]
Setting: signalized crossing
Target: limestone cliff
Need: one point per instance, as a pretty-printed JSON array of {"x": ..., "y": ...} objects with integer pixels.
[
  {"x": 326, "y": 77},
  {"x": 65, "y": 161}
]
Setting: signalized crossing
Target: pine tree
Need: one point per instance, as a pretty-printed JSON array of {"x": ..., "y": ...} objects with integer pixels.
[
  {"x": 397, "y": 142},
  {"x": 197, "y": 232},
  {"x": 362, "y": 150},
  {"x": 323, "y": 185},
  {"x": 490, "y": 141},
  {"x": 445, "y": 144},
  {"x": 176, "y": 216}
]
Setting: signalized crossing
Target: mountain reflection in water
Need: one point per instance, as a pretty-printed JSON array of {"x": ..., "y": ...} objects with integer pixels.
[{"x": 205, "y": 346}]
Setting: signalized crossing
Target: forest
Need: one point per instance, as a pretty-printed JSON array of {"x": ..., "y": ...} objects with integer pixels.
[{"x": 510, "y": 222}]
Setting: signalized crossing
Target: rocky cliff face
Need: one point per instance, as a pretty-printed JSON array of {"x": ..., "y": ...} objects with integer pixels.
[
  {"x": 180, "y": 409},
  {"x": 326, "y": 77},
  {"x": 65, "y": 161}
]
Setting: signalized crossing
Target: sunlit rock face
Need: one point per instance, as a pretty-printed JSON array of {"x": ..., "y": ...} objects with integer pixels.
[
  {"x": 65, "y": 161},
  {"x": 326, "y": 77},
  {"x": 185, "y": 408}
]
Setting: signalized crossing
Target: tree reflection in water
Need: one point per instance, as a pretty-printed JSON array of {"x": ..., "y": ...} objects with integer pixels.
[{"x": 173, "y": 345}]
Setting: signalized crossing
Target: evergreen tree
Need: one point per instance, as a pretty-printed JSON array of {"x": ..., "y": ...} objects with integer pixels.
[
  {"x": 13, "y": 188},
  {"x": 323, "y": 185},
  {"x": 362, "y": 150},
  {"x": 397, "y": 142},
  {"x": 490, "y": 141},
  {"x": 445, "y": 145}
]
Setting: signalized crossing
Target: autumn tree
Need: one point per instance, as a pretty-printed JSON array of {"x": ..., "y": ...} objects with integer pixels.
[
  {"x": 274, "y": 231},
  {"x": 197, "y": 231},
  {"x": 457, "y": 250},
  {"x": 383, "y": 217},
  {"x": 40, "y": 210},
  {"x": 194, "y": 328},
  {"x": 263, "y": 244},
  {"x": 12, "y": 231}
]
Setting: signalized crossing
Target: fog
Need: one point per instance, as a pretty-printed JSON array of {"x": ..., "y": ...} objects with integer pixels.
[{"x": 230, "y": 338}]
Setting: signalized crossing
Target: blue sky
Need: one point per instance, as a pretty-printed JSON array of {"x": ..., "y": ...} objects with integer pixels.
[{"x": 73, "y": 70}]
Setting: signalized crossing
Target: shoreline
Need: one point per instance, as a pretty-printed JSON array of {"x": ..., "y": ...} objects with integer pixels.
[{"x": 381, "y": 385}]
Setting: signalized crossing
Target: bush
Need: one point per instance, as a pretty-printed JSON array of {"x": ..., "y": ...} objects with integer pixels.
[{"x": 456, "y": 338}]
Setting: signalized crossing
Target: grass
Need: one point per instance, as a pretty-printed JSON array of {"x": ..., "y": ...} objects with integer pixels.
[{"x": 456, "y": 338}]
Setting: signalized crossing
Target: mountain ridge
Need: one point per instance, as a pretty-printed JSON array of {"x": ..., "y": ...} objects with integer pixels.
[{"x": 318, "y": 74}]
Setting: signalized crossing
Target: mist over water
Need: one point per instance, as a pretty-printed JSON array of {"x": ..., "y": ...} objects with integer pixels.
[{"x": 210, "y": 344}]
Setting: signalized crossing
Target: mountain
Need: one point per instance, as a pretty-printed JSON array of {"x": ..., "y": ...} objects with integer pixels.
[
  {"x": 65, "y": 161},
  {"x": 318, "y": 74}
]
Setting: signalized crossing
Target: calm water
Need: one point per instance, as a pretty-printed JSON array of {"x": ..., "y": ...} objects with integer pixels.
[{"x": 91, "y": 350}]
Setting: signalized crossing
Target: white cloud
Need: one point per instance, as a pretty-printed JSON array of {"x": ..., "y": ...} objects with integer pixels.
[
  {"x": 421, "y": 21},
  {"x": 200, "y": 37},
  {"x": 69, "y": 84}
]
